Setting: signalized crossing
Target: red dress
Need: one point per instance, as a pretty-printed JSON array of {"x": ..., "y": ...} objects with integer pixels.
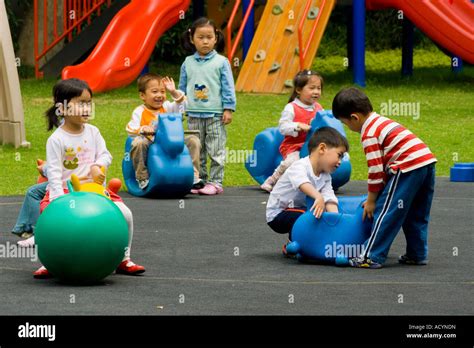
[{"x": 291, "y": 144}]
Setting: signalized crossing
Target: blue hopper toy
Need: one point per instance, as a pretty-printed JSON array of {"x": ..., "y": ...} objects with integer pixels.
[
  {"x": 266, "y": 155},
  {"x": 169, "y": 163},
  {"x": 333, "y": 238},
  {"x": 462, "y": 172}
]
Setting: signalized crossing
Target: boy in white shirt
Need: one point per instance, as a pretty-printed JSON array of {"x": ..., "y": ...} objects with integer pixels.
[
  {"x": 152, "y": 89},
  {"x": 309, "y": 176}
]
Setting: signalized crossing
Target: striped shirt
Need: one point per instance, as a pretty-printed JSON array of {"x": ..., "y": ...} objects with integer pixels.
[{"x": 390, "y": 147}]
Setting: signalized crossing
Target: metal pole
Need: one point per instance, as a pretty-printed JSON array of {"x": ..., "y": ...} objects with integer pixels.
[
  {"x": 248, "y": 29},
  {"x": 358, "y": 41},
  {"x": 407, "y": 47}
]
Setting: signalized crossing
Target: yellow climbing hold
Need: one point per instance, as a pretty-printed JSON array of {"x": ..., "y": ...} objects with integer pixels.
[
  {"x": 313, "y": 12},
  {"x": 260, "y": 56},
  {"x": 275, "y": 67},
  {"x": 277, "y": 10},
  {"x": 289, "y": 83}
]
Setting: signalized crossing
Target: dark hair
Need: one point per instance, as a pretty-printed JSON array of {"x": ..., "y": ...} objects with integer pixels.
[
  {"x": 329, "y": 136},
  {"x": 63, "y": 92},
  {"x": 145, "y": 78},
  {"x": 350, "y": 100},
  {"x": 301, "y": 79},
  {"x": 202, "y": 22}
]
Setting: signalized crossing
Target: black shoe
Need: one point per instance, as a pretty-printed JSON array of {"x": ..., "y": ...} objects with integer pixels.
[
  {"x": 198, "y": 185},
  {"x": 405, "y": 260}
]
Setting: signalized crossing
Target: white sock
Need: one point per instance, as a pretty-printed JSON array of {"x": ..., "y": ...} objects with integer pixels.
[
  {"x": 127, "y": 213},
  {"x": 27, "y": 243}
]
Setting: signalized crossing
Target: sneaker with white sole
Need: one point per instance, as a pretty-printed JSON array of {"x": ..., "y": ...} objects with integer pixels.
[
  {"x": 198, "y": 184},
  {"x": 286, "y": 253},
  {"x": 358, "y": 262},
  {"x": 142, "y": 184},
  {"x": 42, "y": 273},
  {"x": 406, "y": 260},
  {"x": 26, "y": 235},
  {"x": 128, "y": 267}
]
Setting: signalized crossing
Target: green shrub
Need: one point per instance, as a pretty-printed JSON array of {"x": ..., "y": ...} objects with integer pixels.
[{"x": 16, "y": 10}]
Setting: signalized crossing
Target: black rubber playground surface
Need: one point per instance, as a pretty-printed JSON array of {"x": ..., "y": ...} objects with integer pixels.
[{"x": 216, "y": 255}]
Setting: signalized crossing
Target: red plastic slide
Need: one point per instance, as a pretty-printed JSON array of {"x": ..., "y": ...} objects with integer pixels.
[
  {"x": 450, "y": 23},
  {"x": 127, "y": 43}
]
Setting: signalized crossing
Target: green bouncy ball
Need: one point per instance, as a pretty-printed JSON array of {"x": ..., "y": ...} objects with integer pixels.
[{"x": 81, "y": 237}]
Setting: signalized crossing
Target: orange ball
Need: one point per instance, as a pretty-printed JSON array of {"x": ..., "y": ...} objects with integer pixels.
[{"x": 114, "y": 185}]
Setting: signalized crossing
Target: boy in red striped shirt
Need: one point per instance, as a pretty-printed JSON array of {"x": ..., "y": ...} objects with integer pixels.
[{"x": 400, "y": 184}]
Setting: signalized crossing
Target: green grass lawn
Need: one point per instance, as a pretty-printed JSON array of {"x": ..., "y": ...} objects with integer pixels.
[{"x": 444, "y": 123}]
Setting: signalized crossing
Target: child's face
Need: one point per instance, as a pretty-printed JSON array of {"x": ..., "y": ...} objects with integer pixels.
[
  {"x": 329, "y": 157},
  {"x": 311, "y": 92},
  {"x": 154, "y": 95},
  {"x": 354, "y": 123},
  {"x": 79, "y": 109},
  {"x": 204, "y": 39}
]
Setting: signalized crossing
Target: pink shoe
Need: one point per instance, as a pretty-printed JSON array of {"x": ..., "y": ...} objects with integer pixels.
[{"x": 211, "y": 189}]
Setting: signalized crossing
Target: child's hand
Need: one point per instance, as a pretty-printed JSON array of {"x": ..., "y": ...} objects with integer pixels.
[
  {"x": 227, "y": 117},
  {"x": 169, "y": 84},
  {"x": 304, "y": 127},
  {"x": 318, "y": 207},
  {"x": 97, "y": 176},
  {"x": 147, "y": 129},
  {"x": 369, "y": 208}
]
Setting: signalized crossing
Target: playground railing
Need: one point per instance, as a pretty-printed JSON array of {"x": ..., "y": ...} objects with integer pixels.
[
  {"x": 75, "y": 13},
  {"x": 303, "y": 49},
  {"x": 231, "y": 48}
]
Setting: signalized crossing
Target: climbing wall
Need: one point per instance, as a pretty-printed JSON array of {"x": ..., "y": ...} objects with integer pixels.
[{"x": 273, "y": 60}]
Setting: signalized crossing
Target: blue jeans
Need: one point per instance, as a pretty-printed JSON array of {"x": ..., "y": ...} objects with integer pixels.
[
  {"x": 30, "y": 210},
  {"x": 405, "y": 202}
]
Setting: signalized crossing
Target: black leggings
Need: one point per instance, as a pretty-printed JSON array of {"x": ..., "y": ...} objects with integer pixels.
[{"x": 283, "y": 222}]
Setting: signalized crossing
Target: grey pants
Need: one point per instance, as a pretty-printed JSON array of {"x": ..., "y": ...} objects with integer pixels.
[
  {"x": 213, "y": 136},
  {"x": 139, "y": 154}
]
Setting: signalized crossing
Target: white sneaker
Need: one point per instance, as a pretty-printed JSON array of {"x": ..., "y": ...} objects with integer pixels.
[
  {"x": 142, "y": 184},
  {"x": 27, "y": 243}
]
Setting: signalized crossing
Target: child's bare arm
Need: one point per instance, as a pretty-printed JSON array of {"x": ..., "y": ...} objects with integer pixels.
[
  {"x": 318, "y": 206},
  {"x": 170, "y": 86},
  {"x": 331, "y": 207}
]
